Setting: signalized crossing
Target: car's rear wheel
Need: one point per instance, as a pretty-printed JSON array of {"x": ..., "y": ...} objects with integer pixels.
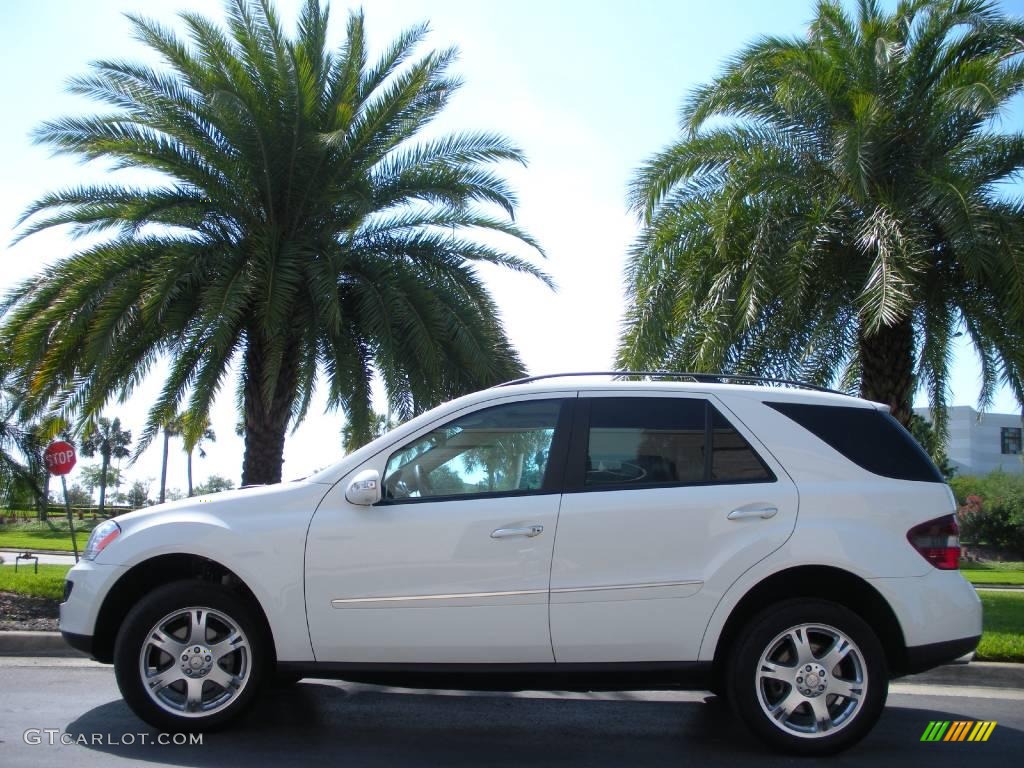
[
  {"x": 190, "y": 656},
  {"x": 808, "y": 676}
]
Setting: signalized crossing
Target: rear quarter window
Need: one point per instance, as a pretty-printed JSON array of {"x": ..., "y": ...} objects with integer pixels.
[{"x": 871, "y": 439}]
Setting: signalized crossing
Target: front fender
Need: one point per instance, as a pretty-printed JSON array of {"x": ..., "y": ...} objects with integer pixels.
[{"x": 261, "y": 538}]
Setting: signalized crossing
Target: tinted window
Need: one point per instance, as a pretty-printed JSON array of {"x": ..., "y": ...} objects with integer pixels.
[
  {"x": 1010, "y": 438},
  {"x": 504, "y": 449},
  {"x": 639, "y": 440},
  {"x": 732, "y": 458},
  {"x": 869, "y": 438},
  {"x": 636, "y": 441}
]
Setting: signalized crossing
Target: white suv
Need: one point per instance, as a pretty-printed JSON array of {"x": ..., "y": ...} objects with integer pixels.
[{"x": 791, "y": 550}]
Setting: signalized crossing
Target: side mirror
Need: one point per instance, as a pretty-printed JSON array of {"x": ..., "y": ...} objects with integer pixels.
[{"x": 364, "y": 490}]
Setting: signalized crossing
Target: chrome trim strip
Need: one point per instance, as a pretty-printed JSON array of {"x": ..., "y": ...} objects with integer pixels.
[
  {"x": 341, "y": 602},
  {"x": 648, "y": 585},
  {"x": 461, "y": 596}
]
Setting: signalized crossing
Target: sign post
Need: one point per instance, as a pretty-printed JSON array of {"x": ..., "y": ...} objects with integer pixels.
[{"x": 60, "y": 459}]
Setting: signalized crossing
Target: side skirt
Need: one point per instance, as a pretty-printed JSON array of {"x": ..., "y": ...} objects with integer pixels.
[{"x": 626, "y": 676}]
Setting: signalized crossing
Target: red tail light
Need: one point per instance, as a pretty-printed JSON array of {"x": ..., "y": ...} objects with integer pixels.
[{"x": 938, "y": 542}]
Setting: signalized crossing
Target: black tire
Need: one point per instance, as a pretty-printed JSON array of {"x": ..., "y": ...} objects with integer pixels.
[
  {"x": 752, "y": 694},
  {"x": 216, "y": 602}
]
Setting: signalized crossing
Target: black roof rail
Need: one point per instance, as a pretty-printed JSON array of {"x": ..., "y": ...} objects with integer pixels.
[{"x": 702, "y": 378}]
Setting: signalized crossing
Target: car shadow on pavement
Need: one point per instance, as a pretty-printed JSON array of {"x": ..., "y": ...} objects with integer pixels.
[{"x": 320, "y": 723}]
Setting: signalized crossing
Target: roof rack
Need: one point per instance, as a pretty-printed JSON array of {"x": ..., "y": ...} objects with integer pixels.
[{"x": 702, "y": 378}]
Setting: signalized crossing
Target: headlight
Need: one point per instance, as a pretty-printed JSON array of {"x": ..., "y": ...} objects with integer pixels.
[{"x": 101, "y": 536}]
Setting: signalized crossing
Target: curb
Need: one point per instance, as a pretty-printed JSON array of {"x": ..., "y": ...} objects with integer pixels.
[
  {"x": 28, "y": 643},
  {"x": 985, "y": 674}
]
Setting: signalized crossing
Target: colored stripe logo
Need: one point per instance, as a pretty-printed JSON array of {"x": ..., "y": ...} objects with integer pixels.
[{"x": 958, "y": 730}]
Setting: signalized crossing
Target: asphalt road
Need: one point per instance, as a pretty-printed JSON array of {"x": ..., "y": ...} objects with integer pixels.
[{"x": 339, "y": 724}]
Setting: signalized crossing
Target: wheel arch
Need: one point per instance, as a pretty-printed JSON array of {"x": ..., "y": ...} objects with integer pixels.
[
  {"x": 154, "y": 572},
  {"x": 822, "y": 582}
]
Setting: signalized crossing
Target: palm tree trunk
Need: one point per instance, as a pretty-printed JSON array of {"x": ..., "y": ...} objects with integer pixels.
[
  {"x": 887, "y": 368},
  {"x": 266, "y": 423},
  {"x": 163, "y": 468},
  {"x": 44, "y": 506},
  {"x": 103, "y": 481},
  {"x": 189, "y": 465}
]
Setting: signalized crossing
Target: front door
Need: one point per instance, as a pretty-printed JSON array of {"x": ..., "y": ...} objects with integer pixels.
[{"x": 453, "y": 564}]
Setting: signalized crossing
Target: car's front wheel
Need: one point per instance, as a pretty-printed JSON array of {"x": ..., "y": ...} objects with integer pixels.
[
  {"x": 808, "y": 676},
  {"x": 190, "y": 656}
]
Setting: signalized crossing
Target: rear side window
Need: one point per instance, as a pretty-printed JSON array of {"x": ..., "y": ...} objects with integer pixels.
[
  {"x": 732, "y": 458},
  {"x": 642, "y": 441},
  {"x": 871, "y": 439}
]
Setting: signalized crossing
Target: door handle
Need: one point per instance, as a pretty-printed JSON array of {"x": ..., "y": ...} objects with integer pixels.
[
  {"x": 529, "y": 531},
  {"x": 744, "y": 513}
]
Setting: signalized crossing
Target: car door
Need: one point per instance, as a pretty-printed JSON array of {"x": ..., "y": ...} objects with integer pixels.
[
  {"x": 452, "y": 566},
  {"x": 668, "y": 499}
]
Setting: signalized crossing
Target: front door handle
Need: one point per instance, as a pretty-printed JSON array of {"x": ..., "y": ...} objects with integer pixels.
[
  {"x": 529, "y": 531},
  {"x": 743, "y": 513}
]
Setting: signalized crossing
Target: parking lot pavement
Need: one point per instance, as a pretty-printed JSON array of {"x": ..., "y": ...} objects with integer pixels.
[{"x": 320, "y": 722}]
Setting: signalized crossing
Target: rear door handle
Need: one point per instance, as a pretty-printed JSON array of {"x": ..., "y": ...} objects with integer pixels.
[
  {"x": 744, "y": 513},
  {"x": 529, "y": 531}
]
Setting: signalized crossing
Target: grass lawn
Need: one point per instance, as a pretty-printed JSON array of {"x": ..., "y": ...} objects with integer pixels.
[
  {"x": 1002, "y": 636},
  {"x": 994, "y": 573},
  {"x": 49, "y": 582},
  {"x": 42, "y": 539},
  {"x": 50, "y": 535}
]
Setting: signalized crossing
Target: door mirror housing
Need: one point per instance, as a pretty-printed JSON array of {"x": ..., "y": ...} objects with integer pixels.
[{"x": 364, "y": 490}]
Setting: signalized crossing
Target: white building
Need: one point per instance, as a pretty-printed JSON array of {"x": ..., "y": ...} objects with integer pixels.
[{"x": 980, "y": 443}]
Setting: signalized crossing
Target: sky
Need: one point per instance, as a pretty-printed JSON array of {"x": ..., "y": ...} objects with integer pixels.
[{"x": 587, "y": 88}]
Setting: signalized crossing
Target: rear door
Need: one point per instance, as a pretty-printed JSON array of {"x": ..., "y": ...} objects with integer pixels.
[{"x": 668, "y": 499}]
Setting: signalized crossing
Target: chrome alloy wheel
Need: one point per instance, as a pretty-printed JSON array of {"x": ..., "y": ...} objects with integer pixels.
[
  {"x": 195, "y": 662},
  {"x": 811, "y": 680}
]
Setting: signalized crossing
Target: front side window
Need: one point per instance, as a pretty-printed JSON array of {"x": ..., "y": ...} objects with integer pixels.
[
  {"x": 649, "y": 441},
  {"x": 504, "y": 449},
  {"x": 1011, "y": 440}
]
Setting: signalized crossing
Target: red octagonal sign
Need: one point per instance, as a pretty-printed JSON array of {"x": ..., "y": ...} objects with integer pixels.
[{"x": 59, "y": 457}]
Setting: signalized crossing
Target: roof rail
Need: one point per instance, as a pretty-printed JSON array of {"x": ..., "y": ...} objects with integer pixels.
[{"x": 702, "y": 378}]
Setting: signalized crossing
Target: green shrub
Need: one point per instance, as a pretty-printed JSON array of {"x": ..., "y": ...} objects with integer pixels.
[{"x": 991, "y": 509}]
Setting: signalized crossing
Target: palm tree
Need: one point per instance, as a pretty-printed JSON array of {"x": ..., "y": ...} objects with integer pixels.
[
  {"x": 833, "y": 210},
  {"x": 21, "y": 459},
  {"x": 303, "y": 230},
  {"x": 172, "y": 428},
  {"x": 194, "y": 435},
  {"x": 352, "y": 440},
  {"x": 106, "y": 438}
]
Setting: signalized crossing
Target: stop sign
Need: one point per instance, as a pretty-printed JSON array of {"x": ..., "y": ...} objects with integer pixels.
[{"x": 59, "y": 457}]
